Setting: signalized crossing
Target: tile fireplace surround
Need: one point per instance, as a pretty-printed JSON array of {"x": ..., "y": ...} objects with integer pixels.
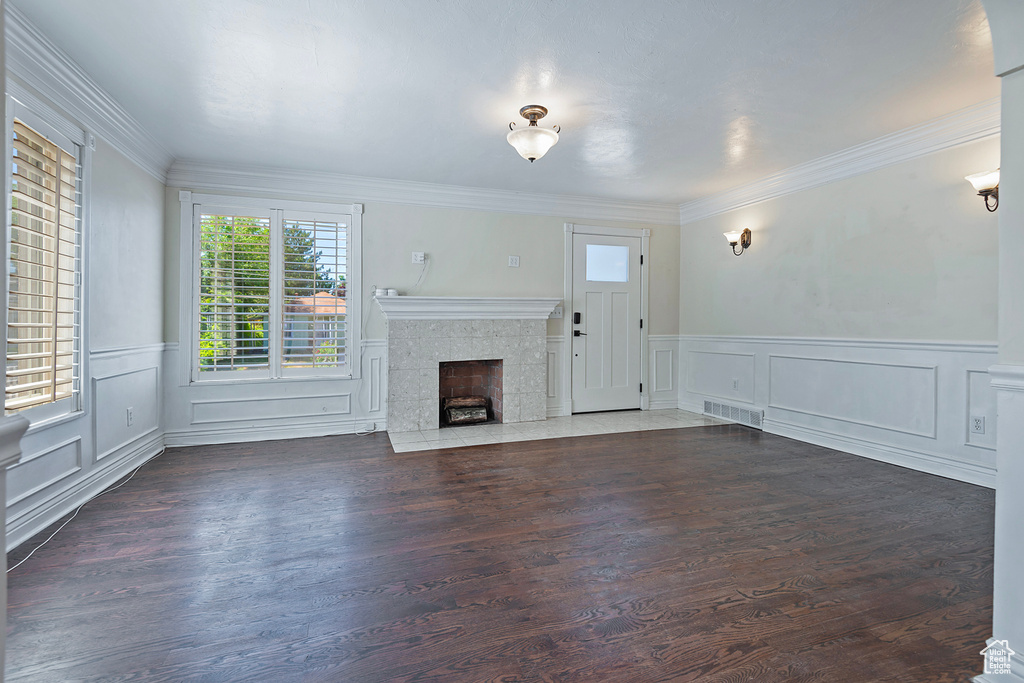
[{"x": 424, "y": 331}]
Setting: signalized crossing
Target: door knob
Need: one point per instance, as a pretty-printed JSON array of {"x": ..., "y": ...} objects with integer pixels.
[{"x": 577, "y": 333}]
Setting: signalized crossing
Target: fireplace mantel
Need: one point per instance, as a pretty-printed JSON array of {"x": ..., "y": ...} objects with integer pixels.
[{"x": 465, "y": 308}]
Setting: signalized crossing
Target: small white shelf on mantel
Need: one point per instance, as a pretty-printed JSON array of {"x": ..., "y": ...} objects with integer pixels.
[{"x": 465, "y": 308}]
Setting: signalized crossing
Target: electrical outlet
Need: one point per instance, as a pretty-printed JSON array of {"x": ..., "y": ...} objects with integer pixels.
[
  {"x": 735, "y": 384},
  {"x": 131, "y": 416},
  {"x": 977, "y": 424},
  {"x": 513, "y": 261},
  {"x": 418, "y": 257}
]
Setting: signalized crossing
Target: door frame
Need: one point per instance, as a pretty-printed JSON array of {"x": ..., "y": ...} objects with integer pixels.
[{"x": 645, "y": 239}]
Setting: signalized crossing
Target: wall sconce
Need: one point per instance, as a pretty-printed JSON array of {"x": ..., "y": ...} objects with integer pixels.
[
  {"x": 740, "y": 238},
  {"x": 987, "y": 185}
]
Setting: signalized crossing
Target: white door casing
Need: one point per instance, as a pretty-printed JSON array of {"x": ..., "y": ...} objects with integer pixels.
[{"x": 607, "y": 358}]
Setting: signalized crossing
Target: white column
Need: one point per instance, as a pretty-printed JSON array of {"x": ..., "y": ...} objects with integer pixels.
[
  {"x": 11, "y": 431},
  {"x": 1006, "y": 18}
]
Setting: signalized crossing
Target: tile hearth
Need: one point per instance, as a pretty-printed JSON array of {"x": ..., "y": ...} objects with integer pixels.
[{"x": 585, "y": 424}]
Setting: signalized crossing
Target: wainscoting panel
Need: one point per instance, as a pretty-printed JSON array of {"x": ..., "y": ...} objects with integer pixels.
[
  {"x": 69, "y": 460},
  {"x": 901, "y": 398},
  {"x": 724, "y": 375},
  {"x": 981, "y": 402},
  {"x": 225, "y": 411},
  {"x": 907, "y": 403},
  {"x": 660, "y": 386},
  {"x": 44, "y": 470},
  {"x": 662, "y": 371},
  {"x": 134, "y": 391},
  {"x": 260, "y": 408},
  {"x": 558, "y": 394}
]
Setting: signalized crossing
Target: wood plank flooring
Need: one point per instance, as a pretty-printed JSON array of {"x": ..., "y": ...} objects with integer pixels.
[{"x": 711, "y": 554}]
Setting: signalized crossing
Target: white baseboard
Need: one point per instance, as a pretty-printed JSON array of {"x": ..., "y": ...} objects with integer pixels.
[
  {"x": 663, "y": 404},
  {"x": 243, "y": 433},
  {"x": 34, "y": 520},
  {"x": 915, "y": 460}
]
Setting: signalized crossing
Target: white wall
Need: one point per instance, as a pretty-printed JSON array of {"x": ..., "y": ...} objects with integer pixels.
[
  {"x": 904, "y": 252},
  {"x": 467, "y": 255},
  {"x": 862, "y": 318},
  {"x": 127, "y": 253},
  {"x": 67, "y": 461}
]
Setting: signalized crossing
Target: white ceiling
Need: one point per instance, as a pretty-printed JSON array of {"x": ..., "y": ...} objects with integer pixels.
[{"x": 660, "y": 100}]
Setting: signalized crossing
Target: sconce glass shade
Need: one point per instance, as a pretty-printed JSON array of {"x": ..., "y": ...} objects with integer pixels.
[
  {"x": 738, "y": 238},
  {"x": 532, "y": 142},
  {"x": 989, "y": 180}
]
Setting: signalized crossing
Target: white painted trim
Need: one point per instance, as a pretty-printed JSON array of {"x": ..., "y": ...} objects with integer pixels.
[
  {"x": 921, "y": 461},
  {"x": 898, "y": 344},
  {"x": 249, "y": 432},
  {"x": 11, "y": 430},
  {"x": 1007, "y": 377},
  {"x": 966, "y": 125},
  {"x": 935, "y": 393},
  {"x": 466, "y": 308},
  {"x": 197, "y": 175},
  {"x": 644, "y": 235},
  {"x": 33, "y": 520},
  {"x": 42, "y": 66},
  {"x": 122, "y": 351}
]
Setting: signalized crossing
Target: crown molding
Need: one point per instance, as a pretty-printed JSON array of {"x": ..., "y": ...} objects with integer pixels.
[
  {"x": 40, "y": 66},
  {"x": 963, "y": 126},
  {"x": 204, "y": 176}
]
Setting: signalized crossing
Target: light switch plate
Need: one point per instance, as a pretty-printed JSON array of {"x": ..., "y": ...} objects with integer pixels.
[
  {"x": 513, "y": 261},
  {"x": 557, "y": 313}
]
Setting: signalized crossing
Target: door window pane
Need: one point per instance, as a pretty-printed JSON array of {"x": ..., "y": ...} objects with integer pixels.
[{"x": 606, "y": 263}]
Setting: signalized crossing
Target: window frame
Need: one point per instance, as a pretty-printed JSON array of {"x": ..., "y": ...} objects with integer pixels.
[
  {"x": 194, "y": 205},
  {"x": 60, "y": 130}
]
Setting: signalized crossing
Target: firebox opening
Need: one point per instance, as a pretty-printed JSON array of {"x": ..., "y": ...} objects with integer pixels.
[{"x": 476, "y": 381}]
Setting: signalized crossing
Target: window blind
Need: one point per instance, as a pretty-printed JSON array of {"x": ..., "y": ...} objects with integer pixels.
[
  {"x": 43, "y": 310},
  {"x": 314, "y": 293},
  {"x": 234, "y": 305}
]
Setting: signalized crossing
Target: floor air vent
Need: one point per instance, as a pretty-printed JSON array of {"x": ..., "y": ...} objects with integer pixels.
[{"x": 744, "y": 416}]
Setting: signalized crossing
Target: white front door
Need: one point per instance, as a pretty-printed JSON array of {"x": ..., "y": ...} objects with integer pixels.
[{"x": 605, "y": 322}]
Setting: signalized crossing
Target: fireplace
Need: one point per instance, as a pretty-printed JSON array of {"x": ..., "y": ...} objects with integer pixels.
[
  {"x": 466, "y": 378},
  {"x": 425, "y": 332}
]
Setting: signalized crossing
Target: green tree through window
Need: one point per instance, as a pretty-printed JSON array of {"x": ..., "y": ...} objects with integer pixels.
[{"x": 235, "y": 286}]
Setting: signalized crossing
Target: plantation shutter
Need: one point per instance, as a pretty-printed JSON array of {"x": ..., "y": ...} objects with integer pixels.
[
  {"x": 314, "y": 292},
  {"x": 234, "y": 296},
  {"x": 43, "y": 310}
]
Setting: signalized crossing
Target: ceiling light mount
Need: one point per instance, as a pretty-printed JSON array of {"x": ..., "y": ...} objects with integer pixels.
[
  {"x": 738, "y": 238},
  {"x": 532, "y": 142}
]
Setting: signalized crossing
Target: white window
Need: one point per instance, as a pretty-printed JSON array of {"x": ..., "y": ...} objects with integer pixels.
[
  {"x": 43, "y": 314},
  {"x": 276, "y": 292}
]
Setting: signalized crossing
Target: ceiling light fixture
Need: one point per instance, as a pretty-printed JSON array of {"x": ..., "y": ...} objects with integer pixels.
[
  {"x": 740, "y": 238},
  {"x": 987, "y": 185},
  {"x": 532, "y": 142}
]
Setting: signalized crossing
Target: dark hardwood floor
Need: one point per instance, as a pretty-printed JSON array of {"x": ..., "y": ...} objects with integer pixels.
[{"x": 708, "y": 554}]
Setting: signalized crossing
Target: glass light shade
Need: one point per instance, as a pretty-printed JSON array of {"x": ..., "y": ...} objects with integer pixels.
[
  {"x": 532, "y": 142},
  {"x": 988, "y": 180},
  {"x": 733, "y": 237}
]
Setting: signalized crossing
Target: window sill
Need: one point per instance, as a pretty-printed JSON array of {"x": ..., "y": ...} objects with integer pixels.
[
  {"x": 50, "y": 422},
  {"x": 211, "y": 381}
]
